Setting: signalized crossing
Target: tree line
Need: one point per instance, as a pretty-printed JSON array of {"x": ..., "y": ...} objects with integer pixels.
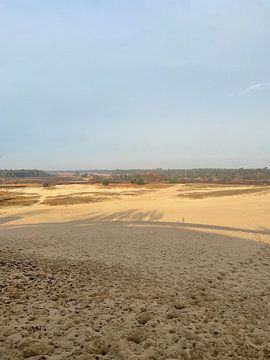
[
  {"x": 195, "y": 175},
  {"x": 23, "y": 173},
  {"x": 140, "y": 176}
]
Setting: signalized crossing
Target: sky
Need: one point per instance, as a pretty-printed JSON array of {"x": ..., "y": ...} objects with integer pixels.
[{"x": 92, "y": 84}]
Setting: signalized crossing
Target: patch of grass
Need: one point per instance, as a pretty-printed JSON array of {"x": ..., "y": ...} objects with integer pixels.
[
  {"x": 8, "y": 198},
  {"x": 95, "y": 193},
  {"x": 88, "y": 197},
  {"x": 225, "y": 192},
  {"x": 72, "y": 200}
]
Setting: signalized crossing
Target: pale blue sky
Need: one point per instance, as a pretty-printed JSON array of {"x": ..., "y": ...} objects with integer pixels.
[{"x": 124, "y": 83}]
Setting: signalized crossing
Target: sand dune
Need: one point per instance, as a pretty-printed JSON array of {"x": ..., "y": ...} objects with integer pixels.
[{"x": 145, "y": 276}]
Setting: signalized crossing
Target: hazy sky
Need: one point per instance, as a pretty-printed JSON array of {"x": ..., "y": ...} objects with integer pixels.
[{"x": 134, "y": 83}]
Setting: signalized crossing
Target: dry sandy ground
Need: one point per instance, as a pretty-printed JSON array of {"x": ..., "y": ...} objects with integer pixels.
[{"x": 151, "y": 275}]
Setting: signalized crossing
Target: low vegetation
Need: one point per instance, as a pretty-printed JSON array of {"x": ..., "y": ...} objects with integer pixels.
[
  {"x": 138, "y": 181},
  {"x": 8, "y": 198},
  {"x": 72, "y": 200},
  {"x": 224, "y": 192},
  {"x": 105, "y": 182}
]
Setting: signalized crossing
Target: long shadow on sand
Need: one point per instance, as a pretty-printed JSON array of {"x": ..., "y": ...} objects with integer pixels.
[
  {"x": 150, "y": 217},
  {"x": 134, "y": 216},
  {"x": 10, "y": 218}
]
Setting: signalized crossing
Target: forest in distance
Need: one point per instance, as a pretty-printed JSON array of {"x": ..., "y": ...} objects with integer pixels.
[{"x": 140, "y": 176}]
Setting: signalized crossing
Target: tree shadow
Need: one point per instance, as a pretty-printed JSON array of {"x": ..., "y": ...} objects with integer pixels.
[
  {"x": 135, "y": 216},
  {"x": 129, "y": 215},
  {"x": 6, "y": 219},
  {"x": 150, "y": 217},
  {"x": 10, "y": 218}
]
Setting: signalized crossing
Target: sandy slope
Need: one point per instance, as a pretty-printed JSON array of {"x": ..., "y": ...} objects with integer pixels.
[
  {"x": 152, "y": 276},
  {"x": 246, "y": 211}
]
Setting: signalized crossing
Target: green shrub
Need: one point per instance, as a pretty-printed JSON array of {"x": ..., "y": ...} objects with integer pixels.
[
  {"x": 105, "y": 182},
  {"x": 138, "y": 181}
]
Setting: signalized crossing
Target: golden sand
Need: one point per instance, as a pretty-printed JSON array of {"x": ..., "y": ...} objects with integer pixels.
[{"x": 137, "y": 273}]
